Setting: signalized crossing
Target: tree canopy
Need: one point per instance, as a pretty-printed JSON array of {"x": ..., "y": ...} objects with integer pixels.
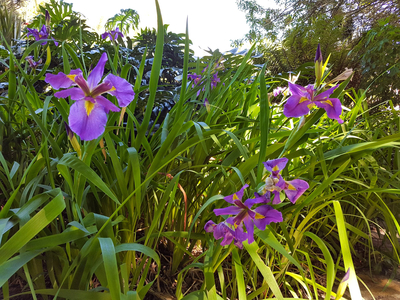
[
  {"x": 356, "y": 16},
  {"x": 362, "y": 35}
]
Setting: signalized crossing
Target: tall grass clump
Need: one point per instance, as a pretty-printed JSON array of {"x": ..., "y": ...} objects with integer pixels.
[{"x": 102, "y": 200}]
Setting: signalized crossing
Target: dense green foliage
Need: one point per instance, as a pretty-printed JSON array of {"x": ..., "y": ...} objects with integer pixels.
[
  {"x": 122, "y": 216},
  {"x": 126, "y": 19},
  {"x": 10, "y": 20},
  {"x": 359, "y": 35}
]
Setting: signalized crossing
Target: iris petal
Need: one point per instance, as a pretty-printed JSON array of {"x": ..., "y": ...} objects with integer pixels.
[
  {"x": 268, "y": 214},
  {"x": 96, "y": 74},
  {"x": 248, "y": 222},
  {"x": 250, "y": 202},
  {"x": 101, "y": 88},
  {"x": 295, "y": 189},
  {"x": 123, "y": 90},
  {"x": 298, "y": 90},
  {"x": 296, "y": 106},
  {"x": 107, "y": 104},
  {"x": 58, "y": 81},
  {"x": 61, "y": 80},
  {"x": 276, "y": 165},
  {"x": 333, "y": 108},
  {"x": 326, "y": 94},
  {"x": 239, "y": 195},
  {"x": 87, "y": 127},
  {"x": 74, "y": 93},
  {"x": 81, "y": 82},
  {"x": 209, "y": 227},
  {"x": 231, "y": 210}
]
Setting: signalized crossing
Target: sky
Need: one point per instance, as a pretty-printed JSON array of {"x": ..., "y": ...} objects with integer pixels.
[{"x": 212, "y": 23}]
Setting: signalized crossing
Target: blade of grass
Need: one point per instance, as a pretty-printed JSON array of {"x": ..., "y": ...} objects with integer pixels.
[
  {"x": 111, "y": 267},
  {"x": 32, "y": 227},
  {"x": 241, "y": 286},
  {"x": 346, "y": 252},
  {"x": 330, "y": 265},
  {"x": 265, "y": 270},
  {"x": 264, "y": 122}
]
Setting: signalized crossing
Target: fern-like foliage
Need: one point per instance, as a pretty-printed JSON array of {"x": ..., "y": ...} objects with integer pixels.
[{"x": 125, "y": 20}]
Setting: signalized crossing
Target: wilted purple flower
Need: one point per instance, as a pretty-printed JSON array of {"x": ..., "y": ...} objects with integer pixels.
[
  {"x": 276, "y": 184},
  {"x": 33, "y": 64},
  {"x": 43, "y": 34},
  {"x": 113, "y": 34},
  {"x": 260, "y": 216},
  {"x": 88, "y": 115},
  {"x": 303, "y": 98}
]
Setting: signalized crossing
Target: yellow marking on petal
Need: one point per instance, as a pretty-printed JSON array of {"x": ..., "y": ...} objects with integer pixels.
[
  {"x": 72, "y": 77},
  {"x": 259, "y": 216},
  {"x": 291, "y": 187},
  {"x": 113, "y": 89},
  {"x": 89, "y": 107},
  {"x": 235, "y": 197},
  {"x": 329, "y": 102},
  {"x": 276, "y": 168},
  {"x": 302, "y": 99}
]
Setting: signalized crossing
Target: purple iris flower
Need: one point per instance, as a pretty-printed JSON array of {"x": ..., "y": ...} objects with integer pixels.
[
  {"x": 195, "y": 78},
  {"x": 260, "y": 216},
  {"x": 225, "y": 231},
  {"x": 214, "y": 80},
  {"x": 33, "y": 64},
  {"x": 113, "y": 34},
  {"x": 88, "y": 115},
  {"x": 275, "y": 166},
  {"x": 43, "y": 34},
  {"x": 303, "y": 98},
  {"x": 276, "y": 184}
]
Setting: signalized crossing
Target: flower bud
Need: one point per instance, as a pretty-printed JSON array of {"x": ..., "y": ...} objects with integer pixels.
[
  {"x": 318, "y": 54},
  {"x": 72, "y": 138},
  {"x": 318, "y": 66},
  {"x": 207, "y": 105},
  {"x": 47, "y": 19},
  {"x": 343, "y": 285}
]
